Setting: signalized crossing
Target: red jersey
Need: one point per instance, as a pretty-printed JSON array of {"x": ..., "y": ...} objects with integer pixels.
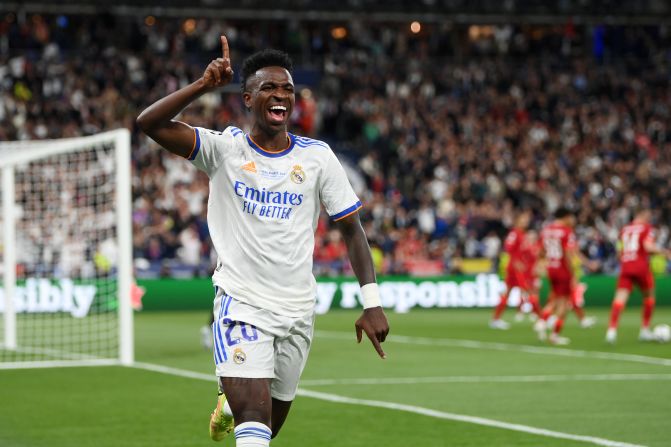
[
  {"x": 513, "y": 246},
  {"x": 530, "y": 251},
  {"x": 634, "y": 257},
  {"x": 557, "y": 240}
]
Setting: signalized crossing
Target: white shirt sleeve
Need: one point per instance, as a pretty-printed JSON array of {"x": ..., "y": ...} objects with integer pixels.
[
  {"x": 210, "y": 148},
  {"x": 335, "y": 191}
]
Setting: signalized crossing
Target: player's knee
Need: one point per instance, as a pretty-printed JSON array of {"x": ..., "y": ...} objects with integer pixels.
[{"x": 622, "y": 295}]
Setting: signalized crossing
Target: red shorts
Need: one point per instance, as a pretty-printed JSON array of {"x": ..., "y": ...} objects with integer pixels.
[
  {"x": 516, "y": 279},
  {"x": 561, "y": 283},
  {"x": 643, "y": 279}
]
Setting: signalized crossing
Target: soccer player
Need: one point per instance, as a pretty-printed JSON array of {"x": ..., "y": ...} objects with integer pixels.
[
  {"x": 578, "y": 296},
  {"x": 266, "y": 188},
  {"x": 531, "y": 250},
  {"x": 560, "y": 248},
  {"x": 517, "y": 272},
  {"x": 637, "y": 241}
]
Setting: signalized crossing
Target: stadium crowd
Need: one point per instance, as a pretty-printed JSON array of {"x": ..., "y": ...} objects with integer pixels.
[{"x": 452, "y": 129}]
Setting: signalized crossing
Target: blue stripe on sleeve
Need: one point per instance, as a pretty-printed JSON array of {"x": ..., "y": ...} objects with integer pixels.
[
  {"x": 347, "y": 211},
  {"x": 197, "y": 148}
]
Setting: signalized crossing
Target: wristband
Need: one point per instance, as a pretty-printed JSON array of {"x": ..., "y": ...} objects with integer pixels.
[{"x": 370, "y": 294}]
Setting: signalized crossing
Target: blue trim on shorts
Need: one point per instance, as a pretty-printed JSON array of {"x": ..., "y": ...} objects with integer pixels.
[
  {"x": 215, "y": 348},
  {"x": 219, "y": 339},
  {"x": 228, "y": 304}
]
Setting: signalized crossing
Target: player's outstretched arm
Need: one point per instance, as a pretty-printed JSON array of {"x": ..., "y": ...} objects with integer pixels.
[
  {"x": 592, "y": 265},
  {"x": 157, "y": 119},
  {"x": 373, "y": 321},
  {"x": 651, "y": 247}
]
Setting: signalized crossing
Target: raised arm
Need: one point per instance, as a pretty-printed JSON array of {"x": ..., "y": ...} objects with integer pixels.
[
  {"x": 373, "y": 320},
  {"x": 157, "y": 120}
]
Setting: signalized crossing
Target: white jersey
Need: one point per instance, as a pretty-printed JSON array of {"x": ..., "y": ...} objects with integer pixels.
[{"x": 262, "y": 214}]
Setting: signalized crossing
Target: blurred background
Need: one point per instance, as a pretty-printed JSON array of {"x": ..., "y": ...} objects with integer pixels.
[{"x": 450, "y": 116}]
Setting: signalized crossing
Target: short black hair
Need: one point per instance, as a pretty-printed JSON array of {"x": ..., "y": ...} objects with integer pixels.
[
  {"x": 562, "y": 212},
  {"x": 262, "y": 59}
]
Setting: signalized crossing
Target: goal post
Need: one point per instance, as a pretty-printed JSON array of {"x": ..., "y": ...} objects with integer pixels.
[
  {"x": 9, "y": 256},
  {"x": 66, "y": 252}
]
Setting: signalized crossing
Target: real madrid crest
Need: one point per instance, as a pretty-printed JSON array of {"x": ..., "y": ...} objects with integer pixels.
[
  {"x": 239, "y": 356},
  {"x": 297, "y": 174}
]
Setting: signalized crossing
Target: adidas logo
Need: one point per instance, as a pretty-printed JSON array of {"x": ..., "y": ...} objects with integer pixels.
[{"x": 249, "y": 166}]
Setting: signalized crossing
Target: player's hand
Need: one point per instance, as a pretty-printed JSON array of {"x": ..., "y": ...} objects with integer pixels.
[
  {"x": 373, "y": 322},
  {"x": 219, "y": 72}
]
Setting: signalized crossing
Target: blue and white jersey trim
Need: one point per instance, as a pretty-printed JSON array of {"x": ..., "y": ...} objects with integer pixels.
[
  {"x": 347, "y": 211},
  {"x": 261, "y": 151},
  {"x": 307, "y": 142},
  {"x": 196, "y": 145}
]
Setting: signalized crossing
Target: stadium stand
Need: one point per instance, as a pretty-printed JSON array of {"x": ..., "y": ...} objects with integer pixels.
[{"x": 481, "y": 122}]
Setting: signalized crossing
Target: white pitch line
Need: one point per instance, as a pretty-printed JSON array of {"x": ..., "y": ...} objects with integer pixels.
[
  {"x": 58, "y": 364},
  {"x": 463, "y": 418},
  {"x": 175, "y": 371},
  {"x": 487, "y": 379},
  {"x": 408, "y": 408},
  {"x": 475, "y": 344},
  {"x": 57, "y": 353}
]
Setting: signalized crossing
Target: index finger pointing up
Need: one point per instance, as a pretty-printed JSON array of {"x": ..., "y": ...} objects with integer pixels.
[{"x": 224, "y": 46}]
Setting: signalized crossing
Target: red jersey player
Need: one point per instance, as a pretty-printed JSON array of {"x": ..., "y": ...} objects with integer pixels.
[
  {"x": 560, "y": 248},
  {"x": 531, "y": 251},
  {"x": 638, "y": 242},
  {"x": 517, "y": 273}
]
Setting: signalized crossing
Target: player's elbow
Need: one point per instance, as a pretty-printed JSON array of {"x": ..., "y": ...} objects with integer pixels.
[{"x": 143, "y": 122}]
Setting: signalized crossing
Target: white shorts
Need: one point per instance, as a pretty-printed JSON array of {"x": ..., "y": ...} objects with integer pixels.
[{"x": 255, "y": 343}]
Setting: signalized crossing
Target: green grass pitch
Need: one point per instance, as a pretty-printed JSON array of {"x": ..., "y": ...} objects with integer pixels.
[{"x": 625, "y": 399}]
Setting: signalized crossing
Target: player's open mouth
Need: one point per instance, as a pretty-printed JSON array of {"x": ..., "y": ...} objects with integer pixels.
[{"x": 277, "y": 114}]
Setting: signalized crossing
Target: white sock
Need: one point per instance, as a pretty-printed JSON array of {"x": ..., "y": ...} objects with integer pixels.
[{"x": 252, "y": 434}]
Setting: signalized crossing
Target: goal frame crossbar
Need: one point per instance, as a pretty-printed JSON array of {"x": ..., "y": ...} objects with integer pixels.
[{"x": 21, "y": 152}]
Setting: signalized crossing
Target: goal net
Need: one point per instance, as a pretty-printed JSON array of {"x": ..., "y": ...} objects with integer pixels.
[{"x": 66, "y": 252}]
